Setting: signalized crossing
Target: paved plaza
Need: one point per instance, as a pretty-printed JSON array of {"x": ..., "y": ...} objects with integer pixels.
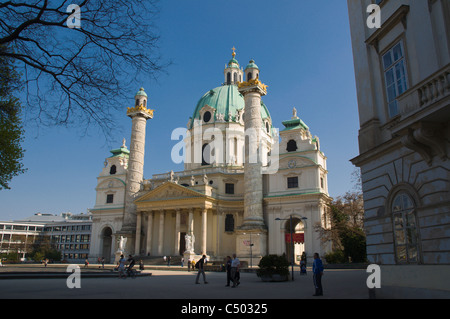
[{"x": 178, "y": 284}]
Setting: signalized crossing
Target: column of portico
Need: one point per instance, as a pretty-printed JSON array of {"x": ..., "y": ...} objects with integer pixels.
[
  {"x": 176, "y": 251},
  {"x": 137, "y": 246},
  {"x": 161, "y": 232},
  {"x": 191, "y": 222},
  {"x": 149, "y": 232},
  {"x": 204, "y": 231}
]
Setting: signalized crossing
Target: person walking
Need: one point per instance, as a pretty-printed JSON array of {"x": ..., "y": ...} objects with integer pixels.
[
  {"x": 121, "y": 267},
  {"x": 235, "y": 263},
  {"x": 228, "y": 270},
  {"x": 200, "y": 265},
  {"x": 317, "y": 269}
]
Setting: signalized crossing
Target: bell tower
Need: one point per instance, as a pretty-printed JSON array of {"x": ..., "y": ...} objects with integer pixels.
[{"x": 233, "y": 72}]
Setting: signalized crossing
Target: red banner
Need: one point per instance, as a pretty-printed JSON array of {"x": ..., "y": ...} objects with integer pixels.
[{"x": 298, "y": 238}]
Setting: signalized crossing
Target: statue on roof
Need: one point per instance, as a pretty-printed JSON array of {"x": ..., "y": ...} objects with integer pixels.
[{"x": 294, "y": 113}]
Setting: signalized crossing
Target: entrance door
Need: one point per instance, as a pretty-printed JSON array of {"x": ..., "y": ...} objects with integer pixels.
[
  {"x": 182, "y": 243},
  {"x": 107, "y": 243},
  {"x": 298, "y": 238}
]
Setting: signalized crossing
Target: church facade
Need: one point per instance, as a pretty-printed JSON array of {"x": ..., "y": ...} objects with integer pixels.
[{"x": 246, "y": 188}]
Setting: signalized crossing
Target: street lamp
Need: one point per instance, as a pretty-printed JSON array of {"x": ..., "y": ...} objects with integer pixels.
[
  {"x": 251, "y": 252},
  {"x": 292, "y": 242}
]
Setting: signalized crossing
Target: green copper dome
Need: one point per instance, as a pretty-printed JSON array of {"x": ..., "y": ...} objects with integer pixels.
[
  {"x": 233, "y": 63},
  {"x": 141, "y": 92},
  {"x": 225, "y": 99},
  {"x": 251, "y": 65}
]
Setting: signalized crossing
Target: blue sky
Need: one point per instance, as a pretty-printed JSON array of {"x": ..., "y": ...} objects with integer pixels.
[{"x": 302, "y": 48}]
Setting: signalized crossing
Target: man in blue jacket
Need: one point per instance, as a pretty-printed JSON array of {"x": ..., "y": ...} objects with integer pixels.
[{"x": 317, "y": 274}]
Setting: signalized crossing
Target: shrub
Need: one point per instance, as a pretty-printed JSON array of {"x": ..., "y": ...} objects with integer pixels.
[
  {"x": 335, "y": 257},
  {"x": 273, "y": 264}
]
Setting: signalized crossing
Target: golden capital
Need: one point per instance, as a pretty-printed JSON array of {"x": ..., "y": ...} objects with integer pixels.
[
  {"x": 253, "y": 83},
  {"x": 140, "y": 109}
]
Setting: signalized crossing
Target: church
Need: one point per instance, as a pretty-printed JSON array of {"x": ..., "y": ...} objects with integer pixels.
[{"x": 246, "y": 188}]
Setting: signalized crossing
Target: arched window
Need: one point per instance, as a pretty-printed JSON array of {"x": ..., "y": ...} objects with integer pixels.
[
  {"x": 113, "y": 170},
  {"x": 145, "y": 103},
  {"x": 405, "y": 228},
  {"x": 291, "y": 146},
  {"x": 235, "y": 79},
  {"x": 249, "y": 76},
  {"x": 228, "y": 78},
  {"x": 206, "y": 154}
]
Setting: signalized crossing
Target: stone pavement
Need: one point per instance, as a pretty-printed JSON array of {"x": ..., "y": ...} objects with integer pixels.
[{"x": 175, "y": 283}]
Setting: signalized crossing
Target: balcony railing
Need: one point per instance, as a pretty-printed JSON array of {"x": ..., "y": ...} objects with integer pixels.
[{"x": 428, "y": 92}]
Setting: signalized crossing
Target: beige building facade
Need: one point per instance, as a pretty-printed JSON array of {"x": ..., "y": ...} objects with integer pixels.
[
  {"x": 402, "y": 72},
  {"x": 219, "y": 205}
]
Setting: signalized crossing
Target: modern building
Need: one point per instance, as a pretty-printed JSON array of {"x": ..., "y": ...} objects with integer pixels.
[
  {"x": 243, "y": 180},
  {"x": 69, "y": 233},
  {"x": 18, "y": 237},
  {"x": 402, "y": 74}
]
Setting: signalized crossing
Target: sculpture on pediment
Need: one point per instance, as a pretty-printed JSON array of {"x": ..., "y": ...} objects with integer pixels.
[
  {"x": 192, "y": 180},
  {"x": 147, "y": 184}
]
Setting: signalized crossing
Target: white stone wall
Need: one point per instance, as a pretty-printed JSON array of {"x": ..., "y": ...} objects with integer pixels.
[{"x": 407, "y": 152}]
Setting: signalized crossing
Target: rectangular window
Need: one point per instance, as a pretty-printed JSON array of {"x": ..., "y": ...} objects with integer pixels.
[
  {"x": 229, "y": 188},
  {"x": 109, "y": 198},
  {"x": 395, "y": 77},
  {"x": 292, "y": 182},
  {"x": 229, "y": 223}
]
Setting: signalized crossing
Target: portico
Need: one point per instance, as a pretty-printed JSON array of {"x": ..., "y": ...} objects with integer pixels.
[{"x": 171, "y": 215}]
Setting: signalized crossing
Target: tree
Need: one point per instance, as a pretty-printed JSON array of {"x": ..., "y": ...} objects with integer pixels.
[
  {"x": 80, "y": 73},
  {"x": 44, "y": 247},
  {"x": 11, "y": 130},
  {"x": 347, "y": 228}
]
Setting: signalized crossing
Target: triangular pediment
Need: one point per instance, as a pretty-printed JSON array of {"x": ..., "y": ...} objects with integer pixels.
[{"x": 169, "y": 191}]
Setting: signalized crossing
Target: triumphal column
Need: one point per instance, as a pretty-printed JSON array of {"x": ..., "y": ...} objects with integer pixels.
[
  {"x": 252, "y": 234},
  {"x": 139, "y": 115}
]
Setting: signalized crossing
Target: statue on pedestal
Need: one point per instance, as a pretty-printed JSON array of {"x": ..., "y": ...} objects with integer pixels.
[{"x": 190, "y": 240}]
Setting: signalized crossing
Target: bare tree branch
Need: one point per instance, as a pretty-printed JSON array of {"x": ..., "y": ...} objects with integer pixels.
[{"x": 81, "y": 75}]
